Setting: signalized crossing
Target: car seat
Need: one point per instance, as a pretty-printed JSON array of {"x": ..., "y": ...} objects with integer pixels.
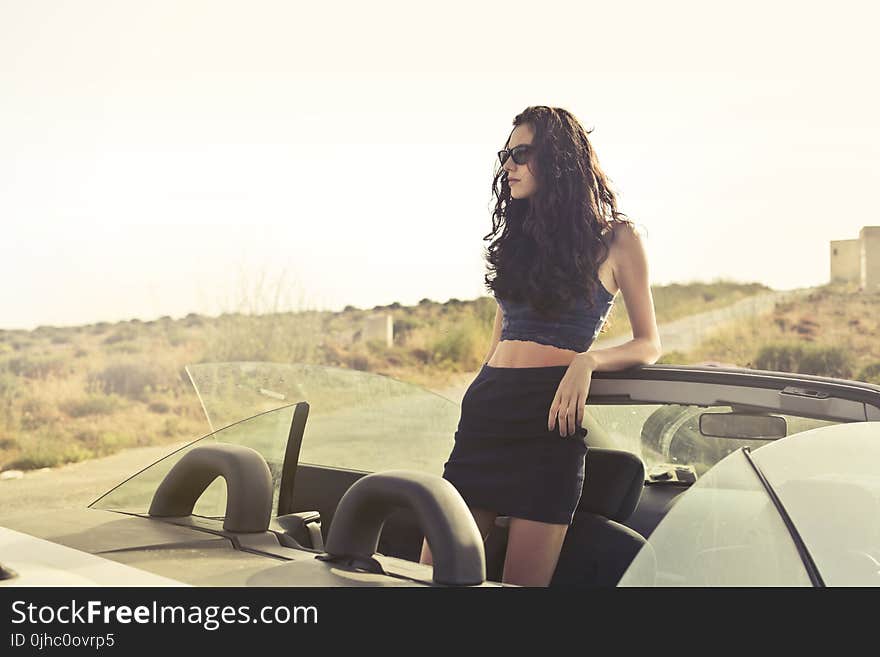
[{"x": 597, "y": 547}]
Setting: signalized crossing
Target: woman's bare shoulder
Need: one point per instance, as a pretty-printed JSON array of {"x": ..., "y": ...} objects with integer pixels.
[
  {"x": 623, "y": 238},
  {"x": 626, "y": 246}
]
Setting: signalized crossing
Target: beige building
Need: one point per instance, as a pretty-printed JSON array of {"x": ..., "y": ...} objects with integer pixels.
[
  {"x": 858, "y": 260},
  {"x": 377, "y": 326}
]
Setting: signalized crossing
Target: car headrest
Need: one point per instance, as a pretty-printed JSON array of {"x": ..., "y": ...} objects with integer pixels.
[{"x": 613, "y": 483}]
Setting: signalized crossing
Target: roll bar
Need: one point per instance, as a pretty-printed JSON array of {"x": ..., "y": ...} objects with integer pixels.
[
  {"x": 453, "y": 535},
  {"x": 248, "y": 486}
]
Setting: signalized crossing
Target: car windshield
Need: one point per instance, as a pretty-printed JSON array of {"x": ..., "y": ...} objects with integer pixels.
[
  {"x": 356, "y": 420},
  {"x": 829, "y": 483},
  {"x": 724, "y": 531}
]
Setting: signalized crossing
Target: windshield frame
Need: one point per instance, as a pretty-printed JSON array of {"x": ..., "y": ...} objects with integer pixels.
[{"x": 803, "y": 552}]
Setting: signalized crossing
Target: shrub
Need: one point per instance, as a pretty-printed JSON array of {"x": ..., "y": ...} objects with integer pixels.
[
  {"x": 159, "y": 407},
  {"x": 172, "y": 427},
  {"x": 45, "y": 453},
  {"x": 88, "y": 438},
  {"x": 421, "y": 355},
  {"x": 484, "y": 310},
  {"x": 9, "y": 385},
  {"x": 91, "y": 405},
  {"x": 462, "y": 345},
  {"x": 805, "y": 359},
  {"x": 403, "y": 327},
  {"x": 132, "y": 380},
  {"x": 37, "y": 413},
  {"x": 331, "y": 354},
  {"x": 112, "y": 441},
  {"x": 870, "y": 373},
  {"x": 124, "y": 348},
  {"x": 672, "y": 358},
  {"x": 39, "y": 367},
  {"x": 778, "y": 357},
  {"x": 176, "y": 335},
  {"x": 826, "y": 361},
  {"x": 359, "y": 362},
  {"x": 806, "y": 327},
  {"x": 22, "y": 344},
  {"x": 122, "y": 334},
  {"x": 9, "y": 392}
]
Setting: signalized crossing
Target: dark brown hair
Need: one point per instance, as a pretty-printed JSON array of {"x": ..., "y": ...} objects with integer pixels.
[{"x": 547, "y": 248}]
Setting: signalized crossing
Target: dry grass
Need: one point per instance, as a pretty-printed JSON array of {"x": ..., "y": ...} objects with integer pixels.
[
  {"x": 832, "y": 332},
  {"x": 74, "y": 393}
]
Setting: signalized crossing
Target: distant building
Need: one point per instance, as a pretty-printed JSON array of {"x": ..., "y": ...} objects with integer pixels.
[
  {"x": 858, "y": 261},
  {"x": 378, "y": 326}
]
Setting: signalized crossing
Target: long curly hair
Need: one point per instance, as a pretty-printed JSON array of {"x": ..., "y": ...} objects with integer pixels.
[{"x": 547, "y": 248}]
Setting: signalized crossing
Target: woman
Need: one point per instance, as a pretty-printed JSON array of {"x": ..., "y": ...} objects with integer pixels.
[{"x": 560, "y": 255}]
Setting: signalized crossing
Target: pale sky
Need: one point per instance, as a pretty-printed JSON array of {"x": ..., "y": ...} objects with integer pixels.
[{"x": 167, "y": 157}]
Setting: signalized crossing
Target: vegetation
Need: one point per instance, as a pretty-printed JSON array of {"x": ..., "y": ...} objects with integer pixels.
[
  {"x": 832, "y": 332},
  {"x": 68, "y": 394}
]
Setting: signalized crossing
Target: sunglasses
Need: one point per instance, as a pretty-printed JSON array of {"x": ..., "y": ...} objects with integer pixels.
[{"x": 520, "y": 154}]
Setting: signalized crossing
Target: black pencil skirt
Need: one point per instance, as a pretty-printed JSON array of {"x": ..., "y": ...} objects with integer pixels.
[{"x": 504, "y": 458}]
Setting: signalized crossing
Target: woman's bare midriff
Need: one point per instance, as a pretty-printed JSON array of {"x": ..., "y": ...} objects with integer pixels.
[{"x": 523, "y": 353}]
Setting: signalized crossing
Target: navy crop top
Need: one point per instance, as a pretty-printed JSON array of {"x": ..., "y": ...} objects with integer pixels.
[{"x": 575, "y": 329}]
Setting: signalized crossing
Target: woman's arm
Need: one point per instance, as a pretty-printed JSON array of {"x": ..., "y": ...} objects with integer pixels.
[
  {"x": 496, "y": 334},
  {"x": 630, "y": 268}
]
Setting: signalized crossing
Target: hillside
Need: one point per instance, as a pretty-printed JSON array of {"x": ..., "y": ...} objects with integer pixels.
[
  {"x": 833, "y": 331},
  {"x": 68, "y": 394}
]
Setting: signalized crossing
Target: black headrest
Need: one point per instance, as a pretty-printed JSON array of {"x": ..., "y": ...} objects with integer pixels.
[{"x": 613, "y": 483}]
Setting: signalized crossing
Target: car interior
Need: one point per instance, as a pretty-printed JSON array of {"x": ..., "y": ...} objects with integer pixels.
[{"x": 649, "y": 440}]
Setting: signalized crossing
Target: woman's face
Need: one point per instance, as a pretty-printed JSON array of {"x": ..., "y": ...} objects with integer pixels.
[{"x": 519, "y": 176}]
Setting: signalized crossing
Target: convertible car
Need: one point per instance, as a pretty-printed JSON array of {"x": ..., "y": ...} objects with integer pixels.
[{"x": 320, "y": 476}]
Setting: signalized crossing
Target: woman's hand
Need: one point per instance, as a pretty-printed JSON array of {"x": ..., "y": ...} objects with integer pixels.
[{"x": 571, "y": 396}]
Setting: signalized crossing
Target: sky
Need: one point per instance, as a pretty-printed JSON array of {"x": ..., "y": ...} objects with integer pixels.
[{"x": 213, "y": 156}]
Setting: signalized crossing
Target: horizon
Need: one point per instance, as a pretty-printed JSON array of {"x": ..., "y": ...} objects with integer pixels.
[{"x": 337, "y": 310}]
